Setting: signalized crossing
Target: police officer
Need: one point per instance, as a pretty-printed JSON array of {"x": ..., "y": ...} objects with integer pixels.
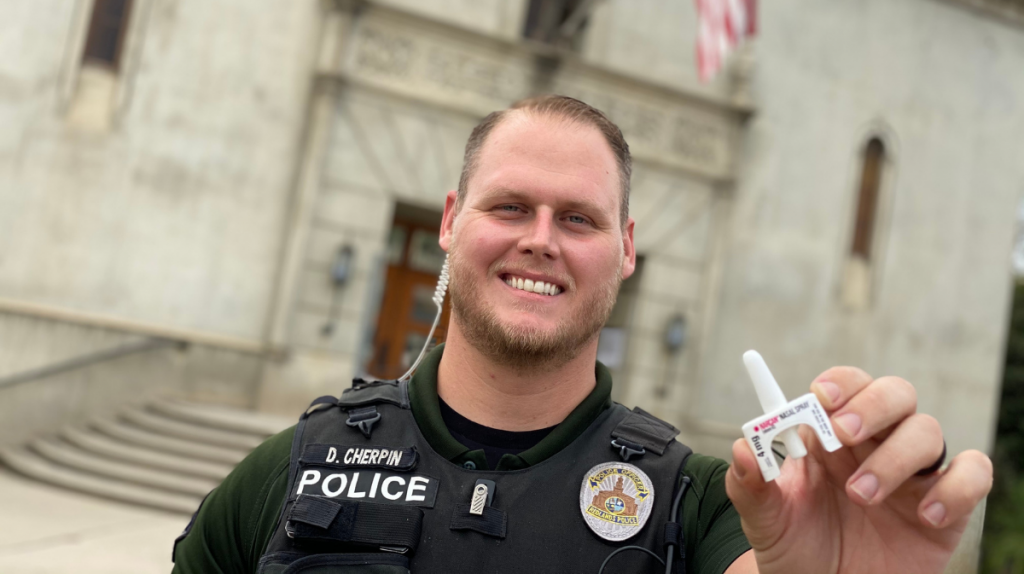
[{"x": 504, "y": 453}]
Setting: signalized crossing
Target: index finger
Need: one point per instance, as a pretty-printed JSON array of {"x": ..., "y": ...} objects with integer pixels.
[{"x": 838, "y": 385}]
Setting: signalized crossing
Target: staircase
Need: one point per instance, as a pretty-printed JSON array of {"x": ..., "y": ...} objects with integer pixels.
[{"x": 168, "y": 454}]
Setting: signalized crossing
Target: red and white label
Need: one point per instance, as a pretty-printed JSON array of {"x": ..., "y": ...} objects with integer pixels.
[{"x": 805, "y": 410}]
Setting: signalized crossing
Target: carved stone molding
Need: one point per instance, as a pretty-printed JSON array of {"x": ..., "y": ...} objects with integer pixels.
[
  {"x": 476, "y": 74},
  {"x": 680, "y": 136}
]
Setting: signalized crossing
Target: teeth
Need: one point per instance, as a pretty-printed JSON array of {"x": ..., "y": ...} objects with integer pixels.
[{"x": 532, "y": 286}]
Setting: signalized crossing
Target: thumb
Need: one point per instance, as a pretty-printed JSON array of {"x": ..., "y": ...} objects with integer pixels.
[{"x": 759, "y": 503}]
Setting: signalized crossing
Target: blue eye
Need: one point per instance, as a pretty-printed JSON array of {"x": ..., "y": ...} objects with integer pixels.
[
  {"x": 509, "y": 208},
  {"x": 576, "y": 219}
]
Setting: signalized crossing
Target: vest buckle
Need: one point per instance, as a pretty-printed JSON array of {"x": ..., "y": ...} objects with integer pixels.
[
  {"x": 628, "y": 449},
  {"x": 363, "y": 419}
]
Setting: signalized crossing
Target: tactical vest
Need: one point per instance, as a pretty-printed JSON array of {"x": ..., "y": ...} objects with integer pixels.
[{"x": 366, "y": 493}]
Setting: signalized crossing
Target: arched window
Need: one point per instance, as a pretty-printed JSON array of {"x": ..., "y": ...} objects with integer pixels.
[
  {"x": 859, "y": 270},
  {"x": 106, "y": 32},
  {"x": 867, "y": 202},
  {"x": 96, "y": 90}
]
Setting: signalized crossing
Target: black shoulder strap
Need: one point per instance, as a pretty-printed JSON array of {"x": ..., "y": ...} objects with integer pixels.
[
  {"x": 363, "y": 393},
  {"x": 642, "y": 428},
  {"x": 293, "y": 457}
]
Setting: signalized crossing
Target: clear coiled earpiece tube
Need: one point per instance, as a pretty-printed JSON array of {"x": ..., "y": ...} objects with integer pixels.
[{"x": 438, "y": 298}]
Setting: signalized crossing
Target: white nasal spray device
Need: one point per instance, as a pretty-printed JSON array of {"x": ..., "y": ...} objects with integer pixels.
[{"x": 780, "y": 419}]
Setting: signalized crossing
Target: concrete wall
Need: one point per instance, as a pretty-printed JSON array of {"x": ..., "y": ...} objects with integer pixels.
[
  {"x": 502, "y": 18},
  {"x": 174, "y": 215},
  {"x": 28, "y": 343},
  {"x": 677, "y": 220},
  {"x": 942, "y": 85},
  {"x": 72, "y": 397},
  {"x": 654, "y": 40}
]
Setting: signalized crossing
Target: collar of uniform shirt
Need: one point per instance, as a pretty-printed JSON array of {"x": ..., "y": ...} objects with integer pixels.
[{"x": 426, "y": 410}]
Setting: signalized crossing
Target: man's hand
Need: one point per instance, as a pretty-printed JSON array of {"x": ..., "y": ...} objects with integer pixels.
[{"x": 860, "y": 509}]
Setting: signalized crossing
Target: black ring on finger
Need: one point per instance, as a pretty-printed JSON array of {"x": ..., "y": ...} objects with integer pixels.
[{"x": 938, "y": 463}]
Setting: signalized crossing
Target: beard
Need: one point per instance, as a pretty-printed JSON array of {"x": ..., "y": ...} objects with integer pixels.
[{"x": 520, "y": 347}]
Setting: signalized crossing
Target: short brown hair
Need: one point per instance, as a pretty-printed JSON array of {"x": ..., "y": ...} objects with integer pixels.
[{"x": 565, "y": 108}]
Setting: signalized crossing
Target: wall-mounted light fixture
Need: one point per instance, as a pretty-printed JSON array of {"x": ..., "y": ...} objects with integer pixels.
[
  {"x": 341, "y": 271},
  {"x": 674, "y": 339},
  {"x": 675, "y": 333}
]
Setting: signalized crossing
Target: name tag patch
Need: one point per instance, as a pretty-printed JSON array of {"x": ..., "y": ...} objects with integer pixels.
[
  {"x": 368, "y": 486},
  {"x": 344, "y": 456}
]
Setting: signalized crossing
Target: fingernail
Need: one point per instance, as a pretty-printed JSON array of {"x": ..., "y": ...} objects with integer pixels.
[
  {"x": 738, "y": 471},
  {"x": 849, "y": 422},
  {"x": 935, "y": 513},
  {"x": 830, "y": 390},
  {"x": 866, "y": 486}
]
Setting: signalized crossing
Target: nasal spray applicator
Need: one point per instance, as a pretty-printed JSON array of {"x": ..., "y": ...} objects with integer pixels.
[
  {"x": 438, "y": 299},
  {"x": 780, "y": 419}
]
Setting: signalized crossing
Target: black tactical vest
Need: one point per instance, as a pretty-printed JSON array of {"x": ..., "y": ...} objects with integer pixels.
[{"x": 367, "y": 493}]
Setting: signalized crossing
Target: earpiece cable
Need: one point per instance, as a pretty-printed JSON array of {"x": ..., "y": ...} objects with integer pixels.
[{"x": 438, "y": 298}]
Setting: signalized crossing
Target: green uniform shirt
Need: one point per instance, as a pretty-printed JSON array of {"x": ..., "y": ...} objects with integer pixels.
[{"x": 237, "y": 519}]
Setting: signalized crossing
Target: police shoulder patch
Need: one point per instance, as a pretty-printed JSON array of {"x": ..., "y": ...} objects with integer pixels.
[{"x": 616, "y": 500}]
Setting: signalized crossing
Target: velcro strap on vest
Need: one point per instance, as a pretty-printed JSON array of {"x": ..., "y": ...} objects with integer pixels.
[
  {"x": 646, "y": 430},
  {"x": 363, "y": 418},
  {"x": 318, "y": 518},
  {"x": 492, "y": 522},
  {"x": 363, "y": 393},
  {"x": 674, "y": 537}
]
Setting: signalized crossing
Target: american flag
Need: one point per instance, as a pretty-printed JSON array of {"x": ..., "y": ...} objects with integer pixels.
[{"x": 723, "y": 24}]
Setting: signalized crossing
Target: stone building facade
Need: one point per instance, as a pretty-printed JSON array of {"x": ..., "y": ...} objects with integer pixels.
[{"x": 247, "y": 175}]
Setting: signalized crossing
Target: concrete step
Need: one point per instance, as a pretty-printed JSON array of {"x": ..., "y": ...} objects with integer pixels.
[
  {"x": 34, "y": 466},
  {"x": 158, "y": 442},
  {"x": 103, "y": 445},
  {"x": 223, "y": 418},
  {"x": 68, "y": 455},
  {"x": 178, "y": 429},
  {"x": 168, "y": 454}
]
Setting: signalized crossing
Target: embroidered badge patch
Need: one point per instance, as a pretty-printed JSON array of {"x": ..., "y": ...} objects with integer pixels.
[{"x": 616, "y": 500}]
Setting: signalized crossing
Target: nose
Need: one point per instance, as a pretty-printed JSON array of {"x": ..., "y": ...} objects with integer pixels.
[{"x": 539, "y": 237}]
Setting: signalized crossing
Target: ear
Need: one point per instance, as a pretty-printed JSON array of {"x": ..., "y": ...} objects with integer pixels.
[
  {"x": 448, "y": 220},
  {"x": 628, "y": 250}
]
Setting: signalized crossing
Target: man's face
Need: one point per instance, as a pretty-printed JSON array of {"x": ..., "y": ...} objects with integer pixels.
[{"x": 541, "y": 207}]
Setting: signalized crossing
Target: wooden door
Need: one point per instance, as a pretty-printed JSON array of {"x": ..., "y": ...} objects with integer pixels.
[{"x": 407, "y": 308}]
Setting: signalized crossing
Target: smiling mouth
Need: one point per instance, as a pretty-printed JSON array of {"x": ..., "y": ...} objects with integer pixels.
[{"x": 531, "y": 286}]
